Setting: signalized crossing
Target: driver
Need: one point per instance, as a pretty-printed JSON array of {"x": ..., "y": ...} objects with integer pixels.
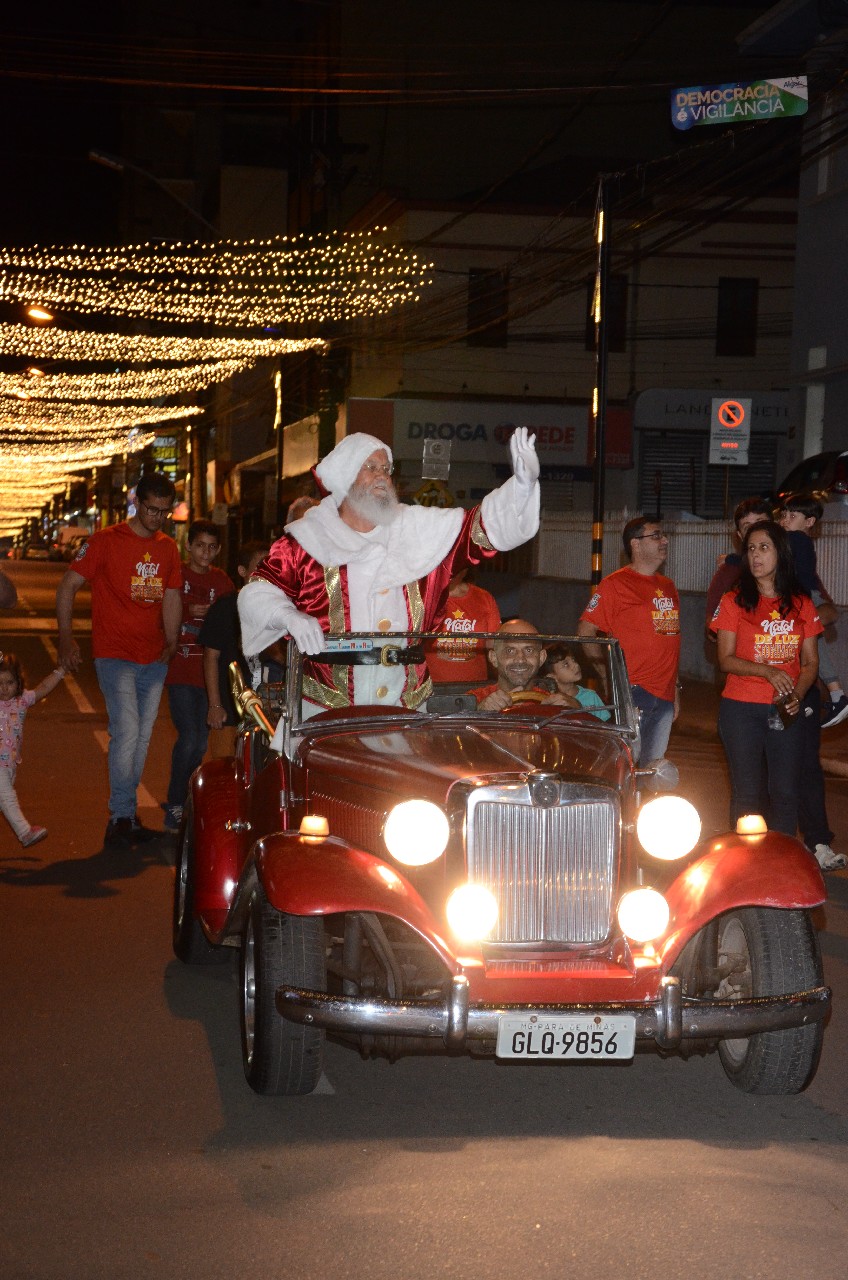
[{"x": 517, "y": 658}]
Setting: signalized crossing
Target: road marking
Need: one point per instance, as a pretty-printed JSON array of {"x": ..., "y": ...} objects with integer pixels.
[
  {"x": 145, "y": 799},
  {"x": 71, "y": 684}
]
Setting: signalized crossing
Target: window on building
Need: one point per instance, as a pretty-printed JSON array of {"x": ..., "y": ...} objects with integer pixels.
[
  {"x": 616, "y": 313},
  {"x": 488, "y": 308},
  {"x": 736, "y": 316}
]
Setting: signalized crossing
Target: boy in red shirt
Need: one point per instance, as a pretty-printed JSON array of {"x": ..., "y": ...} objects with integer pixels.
[
  {"x": 468, "y": 609},
  {"x": 202, "y": 583}
]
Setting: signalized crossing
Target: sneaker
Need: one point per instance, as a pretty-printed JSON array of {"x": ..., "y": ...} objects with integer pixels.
[
  {"x": 118, "y": 833},
  {"x": 33, "y": 836},
  {"x": 173, "y": 817},
  {"x": 828, "y": 860},
  {"x": 140, "y": 834},
  {"x": 836, "y": 713}
]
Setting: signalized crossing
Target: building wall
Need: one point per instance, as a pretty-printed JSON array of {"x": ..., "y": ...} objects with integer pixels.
[{"x": 427, "y": 352}]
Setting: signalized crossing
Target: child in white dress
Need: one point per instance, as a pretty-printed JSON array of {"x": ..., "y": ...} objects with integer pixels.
[{"x": 15, "y": 701}]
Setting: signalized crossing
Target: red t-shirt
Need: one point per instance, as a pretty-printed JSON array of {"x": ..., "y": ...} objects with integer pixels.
[
  {"x": 642, "y": 612},
  {"x": 461, "y": 657},
  {"x": 766, "y": 637},
  {"x": 129, "y": 576},
  {"x": 186, "y": 666}
]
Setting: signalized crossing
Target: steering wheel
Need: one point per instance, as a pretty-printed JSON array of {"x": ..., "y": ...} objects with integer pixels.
[{"x": 526, "y": 695}]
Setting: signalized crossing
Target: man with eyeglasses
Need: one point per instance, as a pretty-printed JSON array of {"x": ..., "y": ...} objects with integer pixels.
[
  {"x": 640, "y": 608},
  {"x": 133, "y": 569},
  {"x": 363, "y": 561}
]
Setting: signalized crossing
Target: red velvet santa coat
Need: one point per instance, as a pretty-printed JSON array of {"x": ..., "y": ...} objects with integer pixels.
[{"x": 322, "y": 591}]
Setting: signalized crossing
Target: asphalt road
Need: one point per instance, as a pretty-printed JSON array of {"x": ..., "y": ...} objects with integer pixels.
[{"x": 132, "y": 1148}]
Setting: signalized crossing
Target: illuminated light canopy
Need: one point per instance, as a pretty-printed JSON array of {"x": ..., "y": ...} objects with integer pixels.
[
  {"x": 132, "y": 384},
  {"x": 307, "y": 279},
  {"x": 27, "y": 418},
  {"x": 121, "y": 348}
]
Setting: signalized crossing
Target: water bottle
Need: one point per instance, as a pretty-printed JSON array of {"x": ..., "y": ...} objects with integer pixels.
[{"x": 779, "y": 717}]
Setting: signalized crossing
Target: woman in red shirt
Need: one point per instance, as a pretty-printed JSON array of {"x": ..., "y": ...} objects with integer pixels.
[{"x": 767, "y": 630}]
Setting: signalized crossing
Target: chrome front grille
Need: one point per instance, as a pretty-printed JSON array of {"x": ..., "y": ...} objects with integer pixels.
[{"x": 552, "y": 869}]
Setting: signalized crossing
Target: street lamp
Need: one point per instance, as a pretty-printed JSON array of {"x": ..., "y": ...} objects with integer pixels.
[{"x": 119, "y": 165}]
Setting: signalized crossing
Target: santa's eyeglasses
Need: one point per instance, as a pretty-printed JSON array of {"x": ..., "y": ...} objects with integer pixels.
[{"x": 375, "y": 469}]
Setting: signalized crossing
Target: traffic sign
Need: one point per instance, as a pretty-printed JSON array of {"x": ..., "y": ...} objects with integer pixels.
[{"x": 730, "y": 431}]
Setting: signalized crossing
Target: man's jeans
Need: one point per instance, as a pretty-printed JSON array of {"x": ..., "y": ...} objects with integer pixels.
[
  {"x": 132, "y": 691},
  {"x": 654, "y": 723},
  {"x": 746, "y": 737},
  {"x": 189, "y": 708}
]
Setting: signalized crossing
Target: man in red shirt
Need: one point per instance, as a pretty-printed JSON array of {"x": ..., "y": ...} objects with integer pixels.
[
  {"x": 640, "y": 608},
  {"x": 134, "y": 572},
  {"x": 187, "y": 700}
]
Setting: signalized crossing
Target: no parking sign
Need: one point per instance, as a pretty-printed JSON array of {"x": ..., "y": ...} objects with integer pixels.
[{"x": 730, "y": 431}]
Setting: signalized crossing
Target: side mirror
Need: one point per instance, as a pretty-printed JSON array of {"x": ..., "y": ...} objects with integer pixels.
[{"x": 658, "y": 775}]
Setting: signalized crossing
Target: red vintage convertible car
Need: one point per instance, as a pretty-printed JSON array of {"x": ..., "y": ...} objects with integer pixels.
[{"x": 489, "y": 882}]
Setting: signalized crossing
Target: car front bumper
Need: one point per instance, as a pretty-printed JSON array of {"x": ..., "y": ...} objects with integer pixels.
[{"x": 667, "y": 1022}]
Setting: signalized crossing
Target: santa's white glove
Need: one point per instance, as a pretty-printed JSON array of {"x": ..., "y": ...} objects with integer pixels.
[
  {"x": 525, "y": 463},
  {"x": 305, "y": 631}
]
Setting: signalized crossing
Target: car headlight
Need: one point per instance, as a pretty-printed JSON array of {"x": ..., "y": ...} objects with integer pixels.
[
  {"x": 472, "y": 912},
  {"x": 643, "y": 914},
  {"x": 668, "y": 827},
  {"x": 416, "y": 832}
]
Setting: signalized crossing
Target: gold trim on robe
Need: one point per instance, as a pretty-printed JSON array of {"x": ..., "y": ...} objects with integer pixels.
[
  {"x": 342, "y": 676},
  {"x": 478, "y": 535}
]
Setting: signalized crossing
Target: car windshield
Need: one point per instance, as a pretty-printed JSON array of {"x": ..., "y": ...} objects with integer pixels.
[{"x": 372, "y": 675}]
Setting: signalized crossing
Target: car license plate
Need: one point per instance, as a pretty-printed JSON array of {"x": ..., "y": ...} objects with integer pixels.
[{"x": 560, "y": 1036}]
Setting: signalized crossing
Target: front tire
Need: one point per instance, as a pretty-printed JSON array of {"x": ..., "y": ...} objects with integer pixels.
[
  {"x": 773, "y": 952},
  {"x": 190, "y": 942},
  {"x": 280, "y": 1057}
]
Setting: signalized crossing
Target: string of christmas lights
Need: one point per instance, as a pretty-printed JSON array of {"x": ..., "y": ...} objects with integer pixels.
[
  {"x": 135, "y": 349},
  {"x": 243, "y": 284},
  {"x": 130, "y": 384},
  {"x": 38, "y": 415}
]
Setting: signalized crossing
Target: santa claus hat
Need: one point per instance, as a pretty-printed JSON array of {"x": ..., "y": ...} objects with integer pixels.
[{"x": 337, "y": 472}]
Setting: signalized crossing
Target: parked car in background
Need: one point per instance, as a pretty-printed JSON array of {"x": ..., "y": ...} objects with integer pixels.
[
  {"x": 435, "y": 877},
  {"x": 825, "y": 474},
  {"x": 35, "y": 550}
]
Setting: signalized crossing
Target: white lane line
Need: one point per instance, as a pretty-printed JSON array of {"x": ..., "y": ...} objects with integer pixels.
[
  {"x": 71, "y": 684},
  {"x": 145, "y": 799}
]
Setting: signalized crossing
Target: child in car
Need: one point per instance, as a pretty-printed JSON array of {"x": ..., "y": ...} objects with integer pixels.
[
  {"x": 15, "y": 701},
  {"x": 563, "y": 668}
]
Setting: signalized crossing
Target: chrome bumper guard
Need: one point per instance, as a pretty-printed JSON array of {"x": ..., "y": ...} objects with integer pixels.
[{"x": 667, "y": 1022}]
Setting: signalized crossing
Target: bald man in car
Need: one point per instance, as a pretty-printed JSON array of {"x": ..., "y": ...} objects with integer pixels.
[{"x": 517, "y": 658}]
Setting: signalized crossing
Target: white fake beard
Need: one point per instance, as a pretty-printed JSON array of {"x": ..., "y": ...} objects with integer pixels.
[{"x": 379, "y": 510}]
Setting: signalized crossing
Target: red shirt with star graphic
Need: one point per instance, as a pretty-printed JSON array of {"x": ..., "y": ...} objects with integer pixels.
[
  {"x": 766, "y": 637},
  {"x": 461, "y": 657},
  {"x": 129, "y": 576}
]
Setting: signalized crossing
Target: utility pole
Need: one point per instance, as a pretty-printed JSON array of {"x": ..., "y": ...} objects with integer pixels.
[{"x": 600, "y": 303}]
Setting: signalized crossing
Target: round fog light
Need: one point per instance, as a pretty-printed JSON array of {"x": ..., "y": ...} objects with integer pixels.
[
  {"x": 643, "y": 914},
  {"x": 472, "y": 912}
]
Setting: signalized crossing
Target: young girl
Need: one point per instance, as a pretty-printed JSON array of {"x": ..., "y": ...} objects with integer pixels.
[
  {"x": 564, "y": 669},
  {"x": 15, "y": 701}
]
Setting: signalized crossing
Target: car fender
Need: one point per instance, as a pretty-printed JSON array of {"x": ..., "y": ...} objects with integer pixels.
[
  {"x": 324, "y": 875},
  {"x": 770, "y": 870},
  {"x": 221, "y": 834}
]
